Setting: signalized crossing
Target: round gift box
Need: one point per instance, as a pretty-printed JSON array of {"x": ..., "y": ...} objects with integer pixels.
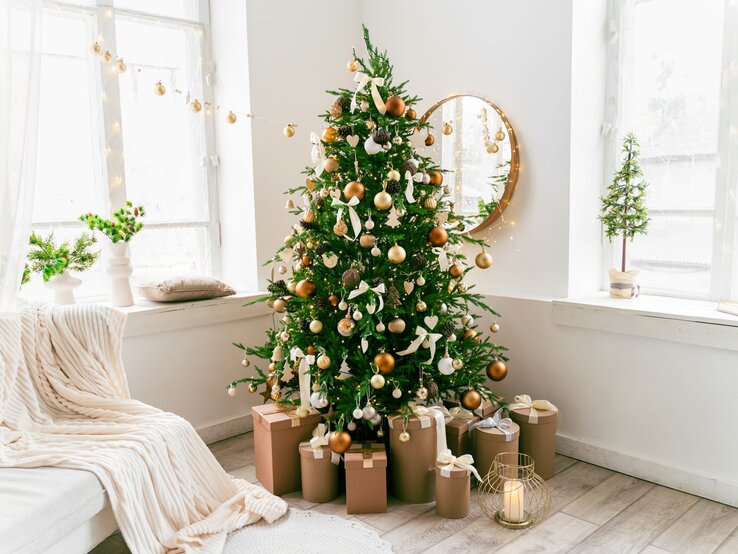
[
  {"x": 319, "y": 474},
  {"x": 412, "y": 463},
  {"x": 538, "y": 439},
  {"x": 452, "y": 492},
  {"x": 488, "y": 442}
]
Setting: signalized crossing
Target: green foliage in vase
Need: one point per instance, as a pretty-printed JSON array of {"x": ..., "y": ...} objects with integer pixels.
[
  {"x": 437, "y": 308},
  {"x": 48, "y": 259},
  {"x": 122, "y": 227},
  {"x": 624, "y": 212}
]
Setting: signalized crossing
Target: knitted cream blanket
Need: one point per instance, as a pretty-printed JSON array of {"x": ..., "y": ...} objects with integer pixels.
[{"x": 64, "y": 402}]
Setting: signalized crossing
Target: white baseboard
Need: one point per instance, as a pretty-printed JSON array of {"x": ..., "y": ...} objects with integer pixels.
[
  {"x": 226, "y": 429},
  {"x": 655, "y": 472}
]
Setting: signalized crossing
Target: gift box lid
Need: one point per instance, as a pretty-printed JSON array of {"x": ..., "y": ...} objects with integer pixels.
[
  {"x": 485, "y": 409},
  {"x": 454, "y": 473},
  {"x": 523, "y": 415},
  {"x": 321, "y": 453},
  {"x": 414, "y": 423},
  {"x": 282, "y": 416},
  {"x": 457, "y": 425},
  {"x": 366, "y": 455},
  {"x": 494, "y": 434}
]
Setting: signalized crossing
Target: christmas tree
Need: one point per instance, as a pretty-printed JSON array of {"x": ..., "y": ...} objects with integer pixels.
[{"x": 376, "y": 315}]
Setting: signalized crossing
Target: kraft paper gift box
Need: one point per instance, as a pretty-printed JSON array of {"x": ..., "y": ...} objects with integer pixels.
[
  {"x": 458, "y": 438},
  {"x": 453, "y": 491},
  {"x": 319, "y": 471},
  {"x": 489, "y": 441},
  {"x": 277, "y": 434},
  {"x": 537, "y": 420},
  {"x": 366, "y": 478}
]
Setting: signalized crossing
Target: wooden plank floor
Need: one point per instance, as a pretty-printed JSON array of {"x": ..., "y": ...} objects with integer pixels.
[{"x": 594, "y": 510}]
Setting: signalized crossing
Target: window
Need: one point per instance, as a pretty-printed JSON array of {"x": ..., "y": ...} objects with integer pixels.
[
  {"x": 672, "y": 81},
  {"x": 105, "y": 137}
]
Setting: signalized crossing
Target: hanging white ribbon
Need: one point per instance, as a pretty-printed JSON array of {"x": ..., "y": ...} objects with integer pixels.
[
  {"x": 410, "y": 188},
  {"x": 363, "y": 287},
  {"x": 317, "y": 154},
  {"x": 353, "y": 216},
  {"x": 504, "y": 424},
  {"x": 443, "y": 262},
  {"x": 423, "y": 335},
  {"x": 524, "y": 401},
  {"x": 436, "y": 412},
  {"x": 303, "y": 374},
  {"x": 363, "y": 80},
  {"x": 451, "y": 461},
  {"x": 320, "y": 436}
]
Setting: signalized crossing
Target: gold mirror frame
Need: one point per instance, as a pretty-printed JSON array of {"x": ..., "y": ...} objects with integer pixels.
[{"x": 512, "y": 177}]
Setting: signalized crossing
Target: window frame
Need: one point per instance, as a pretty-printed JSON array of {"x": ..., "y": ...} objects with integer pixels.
[
  {"x": 724, "y": 255},
  {"x": 109, "y": 154}
]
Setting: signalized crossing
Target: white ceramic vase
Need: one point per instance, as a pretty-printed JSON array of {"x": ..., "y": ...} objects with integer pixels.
[
  {"x": 120, "y": 272},
  {"x": 624, "y": 284},
  {"x": 63, "y": 286}
]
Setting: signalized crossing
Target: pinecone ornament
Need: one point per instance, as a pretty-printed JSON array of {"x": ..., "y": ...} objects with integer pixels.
[
  {"x": 323, "y": 248},
  {"x": 447, "y": 328},
  {"x": 381, "y": 136},
  {"x": 322, "y": 303},
  {"x": 344, "y": 131},
  {"x": 418, "y": 262},
  {"x": 394, "y": 187},
  {"x": 350, "y": 278}
]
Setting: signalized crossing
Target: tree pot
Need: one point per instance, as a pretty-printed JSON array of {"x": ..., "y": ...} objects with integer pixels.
[
  {"x": 120, "y": 272},
  {"x": 624, "y": 284},
  {"x": 63, "y": 286}
]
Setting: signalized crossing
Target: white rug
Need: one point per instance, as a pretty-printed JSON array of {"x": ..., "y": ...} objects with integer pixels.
[{"x": 306, "y": 531}]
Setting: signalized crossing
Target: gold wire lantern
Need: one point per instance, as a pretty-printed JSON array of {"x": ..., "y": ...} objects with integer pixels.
[{"x": 512, "y": 494}]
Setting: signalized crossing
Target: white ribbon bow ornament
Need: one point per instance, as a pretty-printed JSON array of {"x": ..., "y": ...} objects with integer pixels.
[
  {"x": 501, "y": 423},
  {"x": 353, "y": 216},
  {"x": 363, "y": 287},
  {"x": 523, "y": 401},
  {"x": 320, "y": 436},
  {"x": 451, "y": 461},
  {"x": 423, "y": 334},
  {"x": 363, "y": 80},
  {"x": 317, "y": 153},
  {"x": 410, "y": 189},
  {"x": 303, "y": 374},
  {"x": 443, "y": 262}
]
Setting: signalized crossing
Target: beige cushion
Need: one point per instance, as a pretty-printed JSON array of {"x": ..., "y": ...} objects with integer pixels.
[{"x": 177, "y": 289}]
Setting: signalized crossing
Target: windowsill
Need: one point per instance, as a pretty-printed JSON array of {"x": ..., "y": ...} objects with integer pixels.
[{"x": 687, "y": 321}]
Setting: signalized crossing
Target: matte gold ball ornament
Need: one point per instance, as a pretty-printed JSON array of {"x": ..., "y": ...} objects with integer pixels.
[
  {"x": 305, "y": 288},
  {"x": 354, "y": 188},
  {"x": 438, "y": 236},
  {"x": 396, "y": 326},
  {"x": 495, "y": 327},
  {"x": 383, "y": 200},
  {"x": 429, "y": 140},
  {"x": 483, "y": 260},
  {"x": 159, "y": 89},
  {"x": 385, "y": 362},
  {"x": 339, "y": 441},
  {"x": 231, "y": 118},
  {"x": 196, "y": 106},
  {"x": 500, "y": 135},
  {"x": 252, "y": 387},
  {"x": 497, "y": 370},
  {"x": 279, "y": 305},
  {"x": 493, "y": 149},
  {"x": 96, "y": 48},
  {"x": 410, "y": 113},
  {"x": 456, "y": 270},
  {"x": 395, "y": 106},
  {"x": 323, "y": 361},
  {"x": 352, "y": 66},
  {"x": 436, "y": 177},
  {"x": 316, "y": 326},
  {"x": 107, "y": 56},
  {"x": 377, "y": 381},
  {"x": 330, "y": 134},
  {"x": 289, "y": 130},
  {"x": 340, "y": 228},
  {"x": 447, "y": 129},
  {"x": 471, "y": 399},
  {"x": 396, "y": 254},
  {"x": 121, "y": 65},
  {"x": 346, "y": 327}
]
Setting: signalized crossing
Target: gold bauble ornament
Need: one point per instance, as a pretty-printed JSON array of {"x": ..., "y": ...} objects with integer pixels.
[
  {"x": 352, "y": 65},
  {"x": 107, "y": 56},
  {"x": 252, "y": 387},
  {"x": 469, "y": 334},
  {"x": 471, "y": 399},
  {"x": 340, "y": 228},
  {"x": 436, "y": 177},
  {"x": 316, "y": 326},
  {"x": 354, "y": 188},
  {"x": 447, "y": 129},
  {"x": 446, "y": 190},
  {"x": 331, "y": 165},
  {"x": 393, "y": 175},
  {"x": 456, "y": 270},
  {"x": 195, "y": 106},
  {"x": 438, "y": 236},
  {"x": 422, "y": 393},
  {"x": 367, "y": 241},
  {"x": 396, "y": 326},
  {"x": 404, "y": 436},
  {"x": 346, "y": 327},
  {"x": 245, "y": 362},
  {"x": 289, "y": 131},
  {"x": 159, "y": 89},
  {"x": 306, "y": 261},
  {"x": 430, "y": 203},
  {"x": 324, "y": 362},
  {"x": 429, "y": 140},
  {"x": 497, "y": 370},
  {"x": 333, "y": 300},
  {"x": 308, "y": 216},
  {"x": 492, "y": 149},
  {"x": 121, "y": 66},
  {"x": 377, "y": 381},
  {"x": 301, "y": 412},
  {"x": 305, "y": 288},
  {"x": 339, "y": 441},
  {"x": 483, "y": 260},
  {"x": 396, "y": 254},
  {"x": 231, "y": 118},
  {"x": 310, "y": 184},
  {"x": 96, "y": 48},
  {"x": 410, "y": 113},
  {"x": 421, "y": 306},
  {"x": 383, "y": 200},
  {"x": 310, "y": 350},
  {"x": 279, "y": 305},
  {"x": 395, "y": 106},
  {"x": 291, "y": 285},
  {"x": 330, "y": 134},
  {"x": 495, "y": 327},
  {"x": 499, "y": 135},
  {"x": 456, "y": 363},
  {"x": 385, "y": 361}
]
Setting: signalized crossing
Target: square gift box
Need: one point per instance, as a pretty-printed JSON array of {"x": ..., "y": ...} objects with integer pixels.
[{"x": 366, "y": 478}]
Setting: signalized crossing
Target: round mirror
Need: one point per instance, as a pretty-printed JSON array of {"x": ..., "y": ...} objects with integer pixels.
[{"x": 474, "y": 143}]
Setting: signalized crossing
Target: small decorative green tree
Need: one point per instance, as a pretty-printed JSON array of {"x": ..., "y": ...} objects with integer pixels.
[
  {"x": 624, "y": 212},
  {"x": 124, "y": 226},
  {"x": 48, "y": 259}
]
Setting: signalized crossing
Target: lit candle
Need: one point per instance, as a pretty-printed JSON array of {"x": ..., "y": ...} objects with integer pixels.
[{"x": 513, "y": 501}]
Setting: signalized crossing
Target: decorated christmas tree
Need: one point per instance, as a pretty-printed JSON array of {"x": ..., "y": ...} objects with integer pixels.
[{"x": 375, "y": 315}]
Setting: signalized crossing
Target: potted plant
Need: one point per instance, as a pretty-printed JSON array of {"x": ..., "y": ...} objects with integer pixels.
[
  {"x": 624, "y": 214},
  {"x": 120, "y": 230},
  {"x": 55, "y": 262}
]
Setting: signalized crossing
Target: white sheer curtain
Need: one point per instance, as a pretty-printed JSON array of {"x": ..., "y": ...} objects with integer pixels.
[{"x": 20, "y": 31}]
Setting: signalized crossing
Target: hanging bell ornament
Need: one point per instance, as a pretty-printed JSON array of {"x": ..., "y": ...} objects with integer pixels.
[
  {"x": 483, "y": 260},
  {"x": 96, "y": 48},
  {"x": 495, "y": 327},
  {"x": 290, "y": 205},
  {"x": 377, "y": 381},
  {"x": 447, "y": 129},
  {"x": 107, "y": 56},
  {"x": 121, "y": 66}
]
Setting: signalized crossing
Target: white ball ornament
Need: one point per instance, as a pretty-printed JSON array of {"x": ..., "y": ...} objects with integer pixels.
[
  {"x": 372, "y": 147},
  {"x": 358, "y": 413},
  {"x": 364, "y": 105},
  {"x": 443, "y": 310},
  {"x": 393, "y": 175},
  {"x": 467, "y": 320},
  {"x": 380, "y": 327},
  {"x": 377, "y": 381},
  {"x": 231, "y": 391},
  {"x": 420, "y": 281},
  {"x": 376, "y": 251},
  {"x": 351, "y": 426},
  {"x": 291, "y": 286},
  {"x": 357, "y": 315},
  {"x": 376, "y": 420},
  {"x": 426, "y": 178},
  {"x": 316, "y": 326},
  {"x": 369, "y": 412},
  {"x": 495, "y": 327},
  {"x": 315, "y": 400},
  {"x": 404, "y": 436},
  {"x": 397, "y": 140},
  {"x": 445, "y": 366},
  {"x": 369, "y": 225},
  {"x": 342, "y": 305},
  {"x": 396, "y": 393}
]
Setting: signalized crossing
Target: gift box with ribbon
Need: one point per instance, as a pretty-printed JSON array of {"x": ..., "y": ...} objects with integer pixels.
[
  {"x": 413, "y": 461},
  {"x": 277, "y": 434},
  {"x": 453, "y": 484},
  {"x": 485, "y": 409},
  {"x": 319, "y": 467},
  {"x": 537, "y": 420},
  {"x": 458, "y": 439},
  {"x": 490, "y": 436},
  {"x": 366, "y": 478}
]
